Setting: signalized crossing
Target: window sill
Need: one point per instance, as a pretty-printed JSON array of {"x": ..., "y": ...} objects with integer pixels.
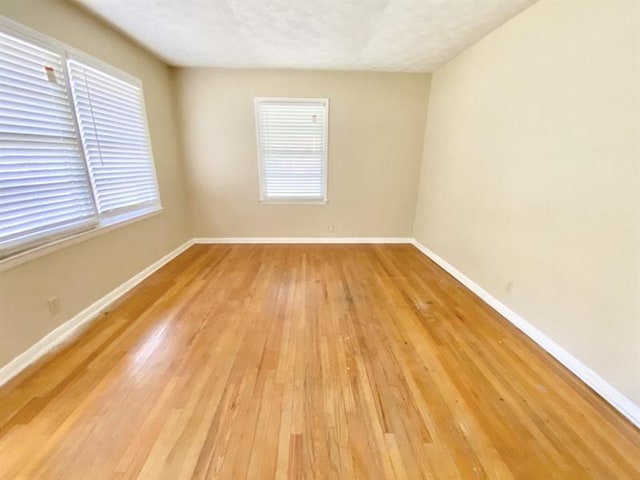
[
  {"x": 106, "y": 226},
  {"x": 293, "y": 202}
]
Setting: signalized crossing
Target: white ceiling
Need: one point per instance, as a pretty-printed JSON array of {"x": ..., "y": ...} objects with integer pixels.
[{"x": 386, "y": 35}]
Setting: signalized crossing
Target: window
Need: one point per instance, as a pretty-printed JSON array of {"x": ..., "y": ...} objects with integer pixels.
[
  {"x": 43, "y": 184},
  {"x": 292, "y": 149},
  {"x": 74, "y": 148},
  {"x": 112, "y": 125}
]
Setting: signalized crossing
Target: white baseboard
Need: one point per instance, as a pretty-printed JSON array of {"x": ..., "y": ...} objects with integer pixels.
[
  {"x": 50, "y": 341},
  {"x": 81, "y": 320},
  {"x": 620, "y": 402},
  {"x": 269, "y": 240}
]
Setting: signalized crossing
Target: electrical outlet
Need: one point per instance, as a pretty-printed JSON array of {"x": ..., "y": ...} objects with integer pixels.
[
  {"x": 331, "y": 228},
  {"x": 54, "y": 305},
  {"x": 508, "y": 289}
]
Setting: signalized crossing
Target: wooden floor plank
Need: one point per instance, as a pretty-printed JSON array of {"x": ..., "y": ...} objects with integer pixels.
[{"x": 307, "y": 361}]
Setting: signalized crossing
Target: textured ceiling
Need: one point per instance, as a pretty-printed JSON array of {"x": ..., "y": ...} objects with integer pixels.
[{"x": 386, "y": 35}]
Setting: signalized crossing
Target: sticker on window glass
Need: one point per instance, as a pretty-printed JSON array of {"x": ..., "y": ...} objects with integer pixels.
[{"x": 51, "y": 74}]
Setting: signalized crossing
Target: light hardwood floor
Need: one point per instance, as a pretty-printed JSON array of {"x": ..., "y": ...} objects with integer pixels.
[{"x": 307, "y": 361}]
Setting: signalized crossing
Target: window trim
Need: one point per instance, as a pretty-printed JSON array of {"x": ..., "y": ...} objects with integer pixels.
[
  {"x": 292, "y": 201},
  {"x": 101, "y": 226}
]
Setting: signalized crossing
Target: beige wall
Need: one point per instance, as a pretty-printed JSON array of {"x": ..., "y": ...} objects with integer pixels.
[
  {"x": 82, "y": 273},
  {"x": 531, "y": 174},
  {"x": 376, "y": 128}
]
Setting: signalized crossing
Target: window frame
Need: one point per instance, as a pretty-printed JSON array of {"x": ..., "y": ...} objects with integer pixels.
[
  {"x": 325, "y": 171},
  {"x": 31, "y": 250}
]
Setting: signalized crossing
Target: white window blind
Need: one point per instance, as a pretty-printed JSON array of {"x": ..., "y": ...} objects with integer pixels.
[
  {"x": 114, "y": 135},
  {"x": 44, "y": 191},
  {"x": 292, "y": 149}
]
